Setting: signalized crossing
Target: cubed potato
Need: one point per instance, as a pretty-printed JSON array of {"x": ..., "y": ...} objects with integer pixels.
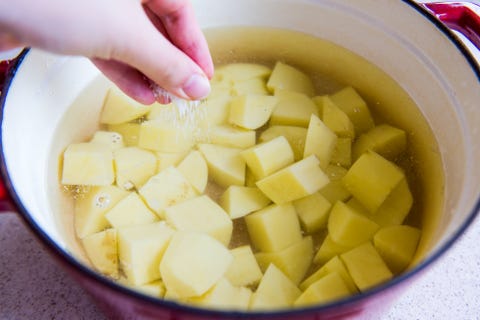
[
  {"x": 296, "y": 181},
  {"x": 275, "y": 291},
  {"x": 286, "y": 77},
  {"x": 155, "y": 289},
  {"x": 274, "y": 228},
  {"x": 193, "y": 263},
  {"x": 166, "y": 159},
  {"x": 371, "y": 179},
  {"x": 217, "y": 110},
  {"x": 241, "y": 71},
  {"x": 268, "y": 157},
  {"x": 295, "y": 136},
  {"x": 159, "y": 111},
  {"x": 328, "y": 288},
  {"x": 225, "y": 296},
  {"x": 119, "y": 108},
  {"x": 244, "y": 270},
  {"x": 366, "y": 266},
  {"x": 396, "y": 206},
  {"x": 225, "y": 165},
  {"x": 386, "y": 140},
  {"x": 87, "y": 164},
  {"x": 342, "y": 153},
  {"x": 230, "y": 136},
  {"x": 397, "y": 245},
  {"x": 141, "y": 249},
  {"x": 194, "y": 169},
  {"x": 320, "y": 141},
  {"x": 130, "y": 132},
  {"x": 166, "y": 189},
  {"x": 130, "y": 211},
  {"x": 335, "y": 119},
  {"x": 348, "y": 227},
  {"x": 165, "y": 136},
  {"x": 335, "y": 191},
  {"x": 334, "y": 264},
  {"x": 293, "y": 109},
  {"x": 329, "y": 249},
  {"x": 90, "y": 209},
  {"x": 101, "y": 249},
  {"x": 201, "y": 214},
  {"x": 251, "y": 111},
  {"x": 250, "y": 86},
  {"x": 110, "y": 139},
  {"x": 134, "y": 166},
  {"x": 313, "y": 212},
  {"x": 294, "y": 261},
  {"x": 350, "y": 102},
  {"x": 239, "y": 201}
]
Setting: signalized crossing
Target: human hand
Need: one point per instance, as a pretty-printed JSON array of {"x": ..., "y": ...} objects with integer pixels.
[{"x": 127, "y": 40}]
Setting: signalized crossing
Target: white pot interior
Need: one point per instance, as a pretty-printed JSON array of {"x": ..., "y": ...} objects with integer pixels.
[{"x": 391, "y": 35}]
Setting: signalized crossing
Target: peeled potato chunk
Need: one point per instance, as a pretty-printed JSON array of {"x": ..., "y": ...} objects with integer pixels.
[
  {"x": 384, "y": 139},
  {"x": 294, "y": 261},
  {"x": 295, "y": 136},
  {"x": 193, "y": 263},
  {"x": 313, "y": 212},
  {"x": 134, "y": 166},
  {"x": 101, "y": 249},
  {"x": 194, "y": 169},
  {"x": 286, "y": 77},
  {"x": 167, "y": 159},
  {"x": 230, "y": 136},
  {"x": 111, "y": 140},
  {"x": 366, "y": 266},
  {"x": 371, "y": 179},
  {"x": 241, "y": 71},
  {"x": 268, "y": 157},
  {"x": 251, "y": 86},
  {"x": 244, "y": 269},
  {"x": 293, "y": 109},
  {"x": 141, "y": 249},
  {"x": 166, "y": 189},
  {"x": 90, "y": 209},
  {"x": 335, "y": 190},
  {"x": 165, "y": 135},
  {"x": 128, "y": 130},
  {"x": 201, "y": 214},
  {"x": 335, "y": 119},
  {"x": 130, "y": 211},
  {"x": 295, "y": 181},
  {"x": 320, "y": 141},
  {"x": 397, "y": 245},
  {"x": 251, "y": 111},
  {"x": 225, "y": 165},
  {"x": 239, "y": 201},
  {"x": 274, "y": 228},
  {"x": 329, "y": 287},
  {"x": 119, "y": 108},
  {"x": 154, "y": 289},
  {"x": 275, "y": 291},
  {"x": 342, "y": 153},
  {"x": 329, "y": 249},
  {"x": 87, "y": 164},
  {"x": 224, "y": 295}
]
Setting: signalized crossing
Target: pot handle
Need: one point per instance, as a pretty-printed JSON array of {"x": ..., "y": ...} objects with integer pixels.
[{"x": 459, "y": 16}]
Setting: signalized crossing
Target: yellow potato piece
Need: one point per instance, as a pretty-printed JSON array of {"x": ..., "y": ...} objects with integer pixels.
[
  {"x": 313, "y": 212},
  {"x": 239, "y": 201},
  {"x": 275, "y": 291},
  {"x": 111, "y": 140},
  {"x": 201, "y": 214},
  {"x": 130, "y": 211},
  {"x": 165, "y": 135},
  {"x": 366, "y": 266},
  {"x": 335, "y": 119},
  {"x": 386, "y": 140},
  {"x": 134, "y": 166},
  {"x": 166, "y": 159},
  {"x": 295, "y": 136},
  {"x": 90, "y": 208},
  {"x": 342, "y": 153},
  {"x": 274, "y": 228},
  {"x": 244, "y": 270},
  {"x": 119, "y": 108},
  {"x": 335, "y": 191},
  {"x": 225, "y": 296},
  {"x": 230, "y": 136},
  {"x": 293, "y": 109},
  {"x": 225, "y": 165},
  {"x": 329, "y": 249},
  {"x": 268, "y": 157},
  {"x": 296, "y": 181},
  {"x": 141, "y": 249},
  {"x": 328, "y": 288},
  {"x": 251, "y": 86},
  {"x": 251, "y": 111},
  {"x": 101, "y": 249},
  {"x": 193, "y": 263},
  {"x": 241, "y": 71},
  {"x": 154, "y": 289},
  {"x": 397, "y": 245},
  {"x": 320, "y": 141},
  {"x": 130, "y": 132},
  {"x": 294, "y": 261},
  {"x": 286, "y": 77},
  {"x": 194, "y": 169},
  {"x": 88, "y": 164}
]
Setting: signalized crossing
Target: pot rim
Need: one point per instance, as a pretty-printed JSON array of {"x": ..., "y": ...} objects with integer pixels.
[{"x": 72, "y": 262}]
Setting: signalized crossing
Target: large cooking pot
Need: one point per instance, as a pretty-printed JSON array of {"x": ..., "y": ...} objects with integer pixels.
[{"x": 400, "y": 37}]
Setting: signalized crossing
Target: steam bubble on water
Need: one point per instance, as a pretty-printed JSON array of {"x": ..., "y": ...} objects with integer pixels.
[{"x": 116, "y": 138}]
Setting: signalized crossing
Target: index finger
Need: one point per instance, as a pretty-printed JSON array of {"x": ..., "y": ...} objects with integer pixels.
[{"x": 179, "y": 21}]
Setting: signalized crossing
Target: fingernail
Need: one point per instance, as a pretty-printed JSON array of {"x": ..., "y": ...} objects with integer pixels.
[{"x": 197, "y": 87}]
